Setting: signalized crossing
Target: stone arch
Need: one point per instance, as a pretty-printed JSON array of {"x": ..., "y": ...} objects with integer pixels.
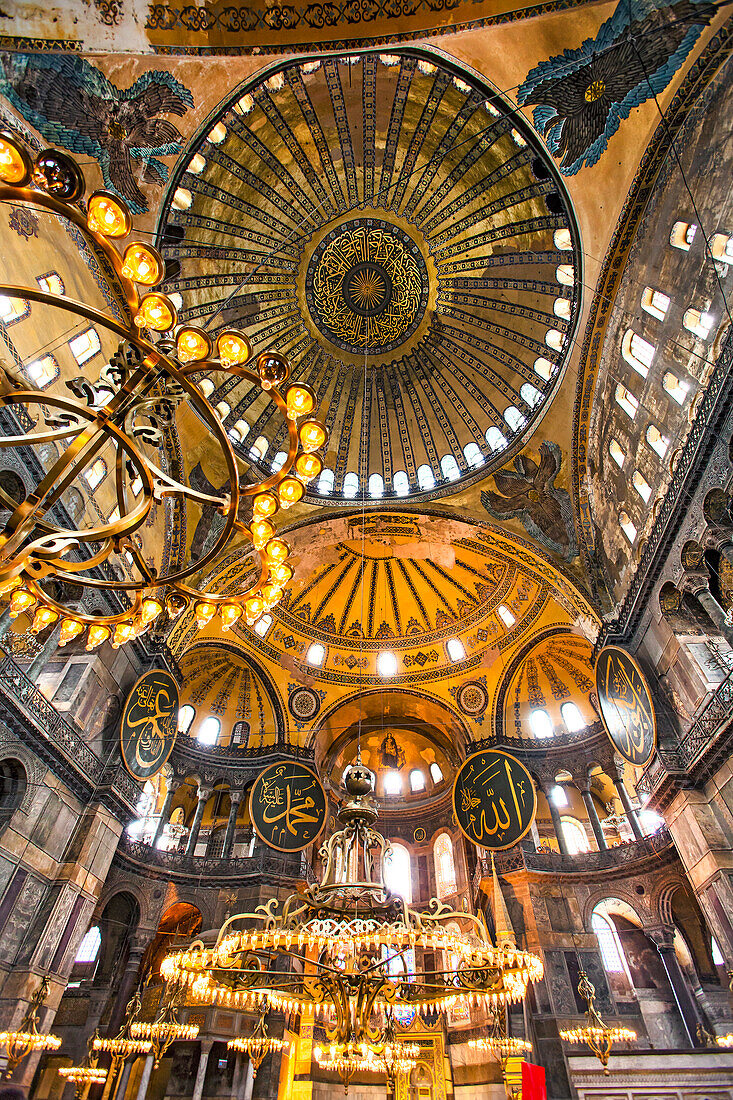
[{"x": 13, "y": 787}]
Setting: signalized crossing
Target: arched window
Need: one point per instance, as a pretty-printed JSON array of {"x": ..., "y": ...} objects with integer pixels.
[
  {"x": 506, "y": 616},
  {"x": 558, "y": 796},
  {"x": 657, "y": 441},
  {"x": 637, "y": 352},
  {"x": 565, "y": 274},
  {"x": 641, "y": 485},
  {"x": 514, "y": 418},
  {"x": 572, "y": 717},
  {"x": 717, "y": 954},
  {"x": 96, "y": 473},
  {"x": 530, "y": 395},
  {"x": 417, "y": 780},
  {"x": 42, "y": 371},
  {"x": 223, "y": 409},
  {"x": 85, "y": 345},
  {"x": 13, "y": 785},
  {"x": 456, "y": 649},
  {"x": 177, "y": 299},
  {"x": 182, "y": 198},
  {"x": 445, "y": 868},
  {"x": 325, "y": 482},
  {"x": 13, "y": 309},
  {"x": 655, "y": 303},
  {"x": 612, "y": 953},
  {"x": 495, "y": 439},
  {"x": 700, "y": 324},
  {"x": 278, "y": 461},
  {"x": 574, "y": 835},
  {"x": 209, "y": 731},
  {"x": 386, "y": 664},
  {"x": 425, "y": 479},
  {"x": 398, "y": 873},
  {"x": 554, "y": 339},
  {"x": 541, "y": 724},
  {"x": 262, "y": 625},
  {"x": 241, "y": 427},
  {"x": 316, "y": 654},
  {"x": 562, "y": 307},
  {"x": 185, "y": 718},
  {"x": 392, "y": 783},
  {"x": 563, "y": 240},
  {"x": 627, "y": 526},
  {"x": 472, "y": 454},
  {"x": 207, "y": 387},
  {"x": 449, "y": 468},
  {"x": 258, "y": 450},
  {"x": 217, "y": 135},
  {"x": 682, "y": 235},
  {"x": 675, "y": 388},
  {"x": 626, "y": 400},
  {"x": 196, "y": 164},
  {"x": 376, "y": 485},
  {"x": 435, "y": 773},
  {"x": 215, "y": 847},
  {"x": 400, "y": 483},
  {"x": 616, "y": 453},
  {"x": 351, "y": 485},
  {"x": 544, "y": 368},
  {"x": 721, "y": 246},
  {"x": 89, "y": 946}
]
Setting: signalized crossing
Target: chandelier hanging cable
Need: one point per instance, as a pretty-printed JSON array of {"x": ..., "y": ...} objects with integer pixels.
[
  {"x": 131, "y": 410},
  {"x": 19, "y": 1044},
  {"x": 596, "y": 1034},
  {"x": 338, "y": 939}
]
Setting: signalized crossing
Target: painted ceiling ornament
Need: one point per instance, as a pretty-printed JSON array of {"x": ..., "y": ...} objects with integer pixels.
[
  {"x": 391, "y": 754},
  {"x": 72, "y": 104},
  {"x": 528, "y": 493},
  {"x": 582, "y": 95}
]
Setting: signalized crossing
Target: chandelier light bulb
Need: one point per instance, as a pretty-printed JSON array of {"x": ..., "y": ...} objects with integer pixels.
[
  {"x": 290, "y": 491},
  {"x": 192, "y": 345},
  {"x": 108, "y": 215},
  {"x": 307, "y": 466},
  {"x": 313, "y": 435},
  {"x": 20, "y": 601},
  {"x": 69, "y": 630},
  {"x": 233, "y": 348},
  {"x": 280, "y": 573},
  {"x": 43, "y": 617},
  {"x": 273, "y": 369},
  {"x": 264, "y": 505},
  {"x": 271, "y": 594},
  {"x": 96, "y": 635},
  {"x": 253, "y": 609},
  {"x": 143, "y": 264},
  {"x": 204, "y": 612},
  {"x": 150, "y": 609},
  {"x": 277, "y": 550},
  {"x": 300, "y": 400},
  {"x": 123, "y": 633},
  {"x": 156, "y": 312},
  {"x": 15, "y": 164},
  {"x": 230, "y": 613},
  {"x": 58, "y": 175},
  {"x": 261, "y": 531},
  {"x": 175, "y": 604}
]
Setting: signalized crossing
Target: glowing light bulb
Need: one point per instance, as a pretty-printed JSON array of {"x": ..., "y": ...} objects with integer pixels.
[
  {"x": 233, "y": 348},
  {"x": 261, "y": 531},
  {"x": 123, "y": 633},
  {"x": 273, "y": 369},
  {"x": 69, "y": 630},
  {"x": 265, "y": 504},
  {"x": 230, "y": 613},
  {"x": 277, "y": 550},
  {"x": 21, "y": 600},
  {"x": 97, "y": 634},
  {"x": 156, "y": 312},
  {"x": 204, "y": 612},
  {"x": 192, "y": 345},
  {"x": 271, "y": 594},
  {"x": 150, "y": 610},
  {"x": 108, "y": 215},
  {"x": 313, "y": 435},
  {"x": 280, "y": 573},
  {"x": 175, "y": 604},
  {"x": 307, "y": 466},
  {"x": 253, "y": 608},
  {"x": 143, "y": 264},
  {"x": 8, "y": 586},
  {"x": 290, "y": 490},
  {"x": 300, "y": 400},
  {"x": 43, "y": 617},
  {"x": 15, "y": 164}
]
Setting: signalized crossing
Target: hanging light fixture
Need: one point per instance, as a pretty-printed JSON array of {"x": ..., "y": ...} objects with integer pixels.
[
  {"x": 123, "y": 1044},
  {"x": 19, "y": 1044},
  {"x": 129, "y": 409},
  {"x": 596, "y": 1034},
  {"x": 344, "y": 933},
  {"x": 258, "y": 1045},
  {"x": 165, "y": 1028},
  {"x": 88, "y": 1073}
]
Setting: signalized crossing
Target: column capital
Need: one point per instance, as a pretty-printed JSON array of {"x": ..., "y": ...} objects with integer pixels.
[
  {"x": 235, "y": 797},
  {"x": 204, "y": 792},
  {"x": 694, "y": 582},
  {"x": 206, "y": 1045},
  {"x": 662, "y": 936}
]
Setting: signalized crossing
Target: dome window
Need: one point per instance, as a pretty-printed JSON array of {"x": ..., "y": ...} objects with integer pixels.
[
  {"x": 425, "y": 479},
  {"x": 655, "y": 303},
  {"x": 700, "y": 324},
  {"x": 85, "y": 346},
  {"x": 472, "y": 454},
  {"x": 626, "y": 400},
  {"x": 196, "y": 164},
  {"x": 562, "y": 307},
  {"x": 52, "y": 283},
  {"x": 278, "y": 461},
  {"x": 12, "y": 309},
  {"x": 185, "y": 718},
  {"x": 182, "y": 199},
  {"x": 637, "y": 352},
  {"x": 530, "y": 395},
  {"x": 554, "y": 339},
  {"x": 449, "y": 468},
  {"x": 721, "y": 246},
  {"x": 541, "y": 724},
  {"x": 262, "y": 625},
  {"x": 563, "y": 240},
  {"x": 209, "y": 731},
  {"x": 544, "y": 368},
  {"x": 456, "y": 650},
  {"x": 392, "y": 783},
  {"x": 514, "y": 418},
  {"x": 573, "y": 719},
  {"x": 351, "y": 486},
  {"x": 206, "y": 386},
  {"x": 435, "y": 773},
  {"x": 223, "y": 409},
  {"x": 641, "y": 485},
  {"x": 565, "y": 274},
  {"x": 400, "y": 483},
  {"x": 96, "y": 473},
  {"x": 316, "y": 654},
  {"x": 417, "y": 781},
  {"x": 656, "y": 440},
  {"x": 682, "y": 235},
  {"x": 675, "y": 388},
  {"x": 325, "y": 482},
  {"x": 617, "y": 454},
  {"x": 258, "y": 450},
  {"x": 217, "y": 135},
  {"x": 628, "y": 528},
  {"x": 43, "y": 371},
  {"x": 386, "y": 664},
  {"x": 376, "y": 485},
  {"x": 506, "y": 616}
]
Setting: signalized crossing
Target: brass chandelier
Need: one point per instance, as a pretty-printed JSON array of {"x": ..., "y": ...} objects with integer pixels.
[
  {"x": 596, "y": 1034},
  {"x": 19, "y": 1043},
  {"x": 165, "y": 1029},
  {"x": 131, "y": 410},
  {"x": 257, "y": 1045},
  {"x": 340, "y": 949},
  {"x": 89, "y": 1072}
]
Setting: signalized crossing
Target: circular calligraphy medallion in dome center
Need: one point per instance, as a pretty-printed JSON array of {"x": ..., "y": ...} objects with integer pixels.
[{"x": 366, "y": 286}]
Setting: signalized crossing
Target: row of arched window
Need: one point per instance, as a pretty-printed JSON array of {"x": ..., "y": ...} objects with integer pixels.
[
  {"x": 542, "y": 725},
  {"x": 393, "y": 784},
  {"x": 386, "y": 661},
  {"x": 398, "y": 869}
]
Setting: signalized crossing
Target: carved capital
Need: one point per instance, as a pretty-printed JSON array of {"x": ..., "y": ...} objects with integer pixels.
[{"x": 694, "y": 582}]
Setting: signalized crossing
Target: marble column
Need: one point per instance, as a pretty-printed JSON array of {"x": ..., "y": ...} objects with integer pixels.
[
  {"x": 142, "y": 1088},
  {"x": 39, "y": 662},
  {"x": 198, "y": 1088},
  {"x": 123, "y": 1079},
  {"x": 698, "y": 586},
  {"x": 5, "y": 622},
  {"x": 236, "y": 799},
  {"x": 633, "y": 820},
  {"x": 556, "y": 822},
  {"x": 249, "y": 1082},
  {"x": 683, "y": 995},
  {"x": 128, "y": 981},
  {"x": 595, "y": 823},
  {"x": 204, "y": 794},
  {"x": 239, "y": 1061},
  {"x": 165, "y": 812}
]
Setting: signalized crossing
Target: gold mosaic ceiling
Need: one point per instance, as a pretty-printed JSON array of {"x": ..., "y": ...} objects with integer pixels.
[{"x": 392, "y": 228}]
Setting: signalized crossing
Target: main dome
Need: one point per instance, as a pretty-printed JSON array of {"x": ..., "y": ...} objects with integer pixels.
[{"x": 391, "y": 225}]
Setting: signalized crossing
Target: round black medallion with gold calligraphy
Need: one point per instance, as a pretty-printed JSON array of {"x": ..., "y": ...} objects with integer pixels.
[
  {"x": 626, "y": 705},
  {"x": 494, "y": 799},
  {"x": 149, "y": 724},
  {"x": 288, "y": 806}
]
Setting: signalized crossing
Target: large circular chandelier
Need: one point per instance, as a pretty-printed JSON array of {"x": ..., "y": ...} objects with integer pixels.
[
  {"x": 350, "y": 950},
  {"x": 130, "y": 411}
]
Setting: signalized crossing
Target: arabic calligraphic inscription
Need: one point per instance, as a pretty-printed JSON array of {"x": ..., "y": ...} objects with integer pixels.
[
  {"x": 288, "y": 806},
  {"x": 626, "y": 705},
  {"x": 494, "y": 799},
  {"x": 149, "y": 724}
]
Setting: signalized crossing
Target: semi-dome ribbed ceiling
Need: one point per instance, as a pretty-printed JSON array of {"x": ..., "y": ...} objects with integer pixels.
[{"x": 392, "y": 228}]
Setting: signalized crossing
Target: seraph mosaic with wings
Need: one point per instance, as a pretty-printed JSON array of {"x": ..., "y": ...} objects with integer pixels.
[
  {"x": 73, "y": 105},
  {"x": 582, "y": 95}
]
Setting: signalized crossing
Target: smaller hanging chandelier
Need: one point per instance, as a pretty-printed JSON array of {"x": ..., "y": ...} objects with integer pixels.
[
  {"x": 165, "y": 1028},
  {"x": 18, "y": 1044},
  {"x": 88, "y": 1073},
  {"x": 725, "y": 1040},
  {"x": 258, "y": 1045},
  {"x": 122, "y": 1045},
  {"x": 596, "y": 1033},
  {"x": 504, "y": 1047}
]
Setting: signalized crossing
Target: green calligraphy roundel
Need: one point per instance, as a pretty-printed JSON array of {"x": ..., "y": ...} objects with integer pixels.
[
  {"x": 494, "y": 799},
  {"x": 626, "y": 705},
  {"x": 288, "y": 806},
  {"x": 149, "y": 724}
]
